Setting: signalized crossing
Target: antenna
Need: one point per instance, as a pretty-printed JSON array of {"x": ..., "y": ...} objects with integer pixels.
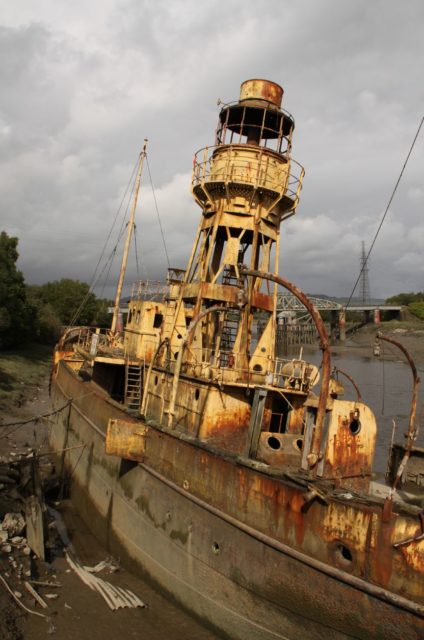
[{"x": 365, "y": 283}]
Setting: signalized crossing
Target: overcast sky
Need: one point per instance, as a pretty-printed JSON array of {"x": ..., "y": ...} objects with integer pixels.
[{"x": 83, "y": 82}]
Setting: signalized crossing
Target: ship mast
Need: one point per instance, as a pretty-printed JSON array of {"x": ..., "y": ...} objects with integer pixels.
[{"x": 130, "y": 228}]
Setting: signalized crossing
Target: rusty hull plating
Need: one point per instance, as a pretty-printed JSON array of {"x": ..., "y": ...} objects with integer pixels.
[{"x": 213, "y": 464}]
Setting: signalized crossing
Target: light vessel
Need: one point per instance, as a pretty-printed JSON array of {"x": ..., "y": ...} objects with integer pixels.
[{"x": 239, "y": 481}]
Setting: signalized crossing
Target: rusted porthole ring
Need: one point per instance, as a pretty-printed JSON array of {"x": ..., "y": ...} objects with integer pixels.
[
  {"x": 343, "y": 556},
  {"x": 216, "y": 549},
  {"x": 354, "y": 424}
]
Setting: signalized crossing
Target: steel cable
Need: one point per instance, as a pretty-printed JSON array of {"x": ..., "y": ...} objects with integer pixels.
[
  {"x": 157, "y": 212},
  {"x": 385, "y": 212}
]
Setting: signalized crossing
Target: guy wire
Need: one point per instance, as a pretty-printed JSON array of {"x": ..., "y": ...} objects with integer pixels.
[
  {"x": 157, "y": 212},
  {"x": 386, "y": 211}
]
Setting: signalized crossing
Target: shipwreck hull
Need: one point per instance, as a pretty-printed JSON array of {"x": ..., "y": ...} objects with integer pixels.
[{"x": 241, "y": 580}]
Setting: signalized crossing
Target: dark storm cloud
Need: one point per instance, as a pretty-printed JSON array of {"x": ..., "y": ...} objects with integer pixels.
[{"x": 83, "y": 85}]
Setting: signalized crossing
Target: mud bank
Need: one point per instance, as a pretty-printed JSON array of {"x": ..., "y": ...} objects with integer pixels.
[{"x": 362, "y": 342}]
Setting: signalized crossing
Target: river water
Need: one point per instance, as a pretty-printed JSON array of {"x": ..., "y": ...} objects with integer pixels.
[{"x": 385, "y": 386}]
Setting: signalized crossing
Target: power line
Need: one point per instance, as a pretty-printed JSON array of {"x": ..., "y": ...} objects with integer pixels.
[{"x": 386, "y": 211}]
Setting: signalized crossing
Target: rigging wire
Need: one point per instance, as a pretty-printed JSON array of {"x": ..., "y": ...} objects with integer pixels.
[
  {"x": 385, "y": 212},
  {"x": 157, "y": 212},
  {"x": 383, "y": 388},
  {"x": 110, "y": 262},
  {"x": 93, "y": 281},
  {"x": 136, "y": 252},
  {"x": 115, "y": 248}
]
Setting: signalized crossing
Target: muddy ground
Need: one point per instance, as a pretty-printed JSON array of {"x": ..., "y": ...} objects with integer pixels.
[
  {"x": 362, "y": 342},
  {"x": 77, "y": 611}
]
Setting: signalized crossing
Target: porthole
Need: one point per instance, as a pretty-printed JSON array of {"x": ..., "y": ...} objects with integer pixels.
[
  {"x": 354, "y": 426},
  {"x": 274, "y": 443},
  {"x": 343, "y": 556},
  {"x": 216, "y": 548},
  {"x": 156, "y": 380},
  {"x": 299, "y": 444},
  {"x": 196, "y": 394}
]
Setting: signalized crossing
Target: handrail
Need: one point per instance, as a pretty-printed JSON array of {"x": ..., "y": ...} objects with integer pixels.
[
  {"x": 253, "y": 171},
  {"x": 233, "y": 103}
]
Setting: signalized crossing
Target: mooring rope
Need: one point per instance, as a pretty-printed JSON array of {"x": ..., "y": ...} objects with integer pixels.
[{"x": 20, "y": 423}]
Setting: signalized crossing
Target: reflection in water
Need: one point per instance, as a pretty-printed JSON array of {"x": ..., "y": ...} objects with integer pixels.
[{"x": 385, "y": 386}]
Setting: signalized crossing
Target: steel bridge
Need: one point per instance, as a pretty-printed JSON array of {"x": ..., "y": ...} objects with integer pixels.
[{"x": 289, "y": 302}]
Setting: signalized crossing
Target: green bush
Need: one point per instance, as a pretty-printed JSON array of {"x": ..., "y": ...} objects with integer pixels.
[
  {"x": 417, "y": 308},
  {"x": 406, "y": 298},
  {"x": 17, "y": 316}
]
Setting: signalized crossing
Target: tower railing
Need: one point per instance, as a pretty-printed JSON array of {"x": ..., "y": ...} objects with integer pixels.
[
  {"x": 248, "y": 165},
  {"x": 149, "y": 290}
]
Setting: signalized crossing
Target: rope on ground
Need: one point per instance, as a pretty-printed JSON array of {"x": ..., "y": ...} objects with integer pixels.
[{"x": 20, "y": 423}]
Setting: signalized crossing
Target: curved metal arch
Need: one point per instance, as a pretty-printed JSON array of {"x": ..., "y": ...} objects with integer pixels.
[{"x": 315, "y": 453}]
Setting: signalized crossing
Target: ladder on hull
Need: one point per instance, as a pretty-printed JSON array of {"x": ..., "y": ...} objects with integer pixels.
[{"x": 133, "y": 385}]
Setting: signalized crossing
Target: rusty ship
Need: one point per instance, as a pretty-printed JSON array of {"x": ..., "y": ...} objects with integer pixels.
[{"x": 238, "y": 480}]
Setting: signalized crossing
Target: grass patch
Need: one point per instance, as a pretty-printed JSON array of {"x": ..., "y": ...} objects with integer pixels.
[
  {"x": 21, "y": 370},
  {"x": 411, "y": 325}
]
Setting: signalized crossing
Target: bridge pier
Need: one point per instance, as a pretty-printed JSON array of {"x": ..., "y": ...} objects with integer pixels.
[
  {"x": 333, "y": 326},
  {"x": 342, "y": 325},
  {"x": 337, "y": 325}
]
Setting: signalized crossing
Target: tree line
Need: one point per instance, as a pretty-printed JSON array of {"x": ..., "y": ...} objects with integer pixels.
[
  {"x": 37, "y": 313},
  {"x": 414, "y": 302}
]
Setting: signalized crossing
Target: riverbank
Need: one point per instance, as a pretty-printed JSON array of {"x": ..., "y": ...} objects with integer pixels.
[
  {"x": 22, "y": 371},
  {"x": 409, "y": 334}
]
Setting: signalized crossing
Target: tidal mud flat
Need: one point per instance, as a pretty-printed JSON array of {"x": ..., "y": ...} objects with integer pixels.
[{"x": 362, "y": 342}]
